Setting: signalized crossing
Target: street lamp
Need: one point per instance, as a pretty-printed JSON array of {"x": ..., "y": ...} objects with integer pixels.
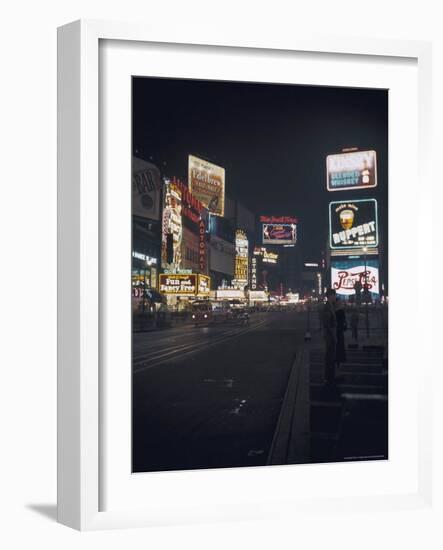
[{"x": 365, "y": 292}]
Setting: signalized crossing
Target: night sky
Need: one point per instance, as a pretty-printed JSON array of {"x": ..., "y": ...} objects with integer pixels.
[{"x": 272, "y": 139}]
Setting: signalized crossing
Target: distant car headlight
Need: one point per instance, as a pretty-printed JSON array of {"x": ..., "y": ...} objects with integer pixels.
[
  {"x": 193, "y": 316},
  {"x": 205, "y": 316}
]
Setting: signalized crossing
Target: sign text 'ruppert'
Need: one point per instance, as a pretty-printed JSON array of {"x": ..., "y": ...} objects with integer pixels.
[{"x": 353, "y": 224}]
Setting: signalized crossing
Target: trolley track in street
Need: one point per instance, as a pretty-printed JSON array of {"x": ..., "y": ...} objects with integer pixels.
[{"x": 150, "y": 360}]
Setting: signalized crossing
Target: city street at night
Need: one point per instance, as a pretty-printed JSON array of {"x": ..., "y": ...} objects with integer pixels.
[
  {"x": 259, "y": 274},
  {"x": 211, "y": 396}
]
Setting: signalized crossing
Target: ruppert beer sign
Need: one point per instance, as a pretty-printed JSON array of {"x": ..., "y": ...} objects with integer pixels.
[
  {"x": 354, "y": 170},
  {"x": 353, "y": 224}
]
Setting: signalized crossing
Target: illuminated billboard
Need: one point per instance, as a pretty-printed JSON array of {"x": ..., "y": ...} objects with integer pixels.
[
  {"x": 146, "y": 189},
  {"x": 354, "y": 170},
  {"x": 180, "y": 284},
  {"x": 279, "y": 233},
  {"x": 353, "y": 224},
  {"x": 268, "y": 257},
  {"x": 345, "y": 273},
  {"x": 279, "y": 230},
  {"x": 204, "y": 285},
  {"x": 207, "y": 183},
  {"x": 172, "y": 229}
]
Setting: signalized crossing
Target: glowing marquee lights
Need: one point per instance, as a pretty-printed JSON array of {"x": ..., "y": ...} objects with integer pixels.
[
  {"x": 241, "y": 257},
  {"x": 184, "y": 285},
  {"x": 346, "y": 273},
  {"x": 268, "y": 256}
]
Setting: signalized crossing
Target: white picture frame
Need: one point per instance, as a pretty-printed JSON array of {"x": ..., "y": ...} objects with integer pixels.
[{"x": 80, "y": 444}]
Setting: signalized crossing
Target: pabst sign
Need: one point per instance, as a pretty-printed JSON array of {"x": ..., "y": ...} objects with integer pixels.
[{"x": 345, "y": 274}]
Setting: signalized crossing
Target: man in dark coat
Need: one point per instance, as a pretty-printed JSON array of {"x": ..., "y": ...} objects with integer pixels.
[
  {"x": 329, "y": 324},
  {"x": 340, "y": 317}
]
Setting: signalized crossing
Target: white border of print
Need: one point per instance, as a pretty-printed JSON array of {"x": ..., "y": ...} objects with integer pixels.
[
  {"x": 178, "y": 491},
  {"x": 81, "y": 466}
]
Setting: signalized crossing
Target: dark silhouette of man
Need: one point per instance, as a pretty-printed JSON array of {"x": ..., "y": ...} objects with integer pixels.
[{"x": 329, "y": 323}]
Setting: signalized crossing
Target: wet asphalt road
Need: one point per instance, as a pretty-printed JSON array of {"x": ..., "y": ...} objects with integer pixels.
[{"x": 209, "y": 397}]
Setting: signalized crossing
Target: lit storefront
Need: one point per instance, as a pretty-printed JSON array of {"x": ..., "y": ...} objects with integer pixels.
[
  {"x": 258, "y": 296},
  {"x": 184, "y": 249},
  {"x": 181, "y": 288},
  {"x": 146, "y": 235},
  {"x": 144, "y": 279},
  {"x": 230, "y": 293}
]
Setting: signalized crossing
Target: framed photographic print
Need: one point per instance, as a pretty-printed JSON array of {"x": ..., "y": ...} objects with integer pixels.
[{"x": 232, "y": 257}]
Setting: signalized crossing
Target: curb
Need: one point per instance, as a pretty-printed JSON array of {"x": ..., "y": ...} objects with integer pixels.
[{"x": 281, "y": 441}]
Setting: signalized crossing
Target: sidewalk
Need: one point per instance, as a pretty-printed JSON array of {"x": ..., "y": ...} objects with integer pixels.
[{"x": 345, "y": 422}]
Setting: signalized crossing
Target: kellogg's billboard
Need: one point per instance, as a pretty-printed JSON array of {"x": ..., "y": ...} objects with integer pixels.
[{"x": 206, "y": 182}]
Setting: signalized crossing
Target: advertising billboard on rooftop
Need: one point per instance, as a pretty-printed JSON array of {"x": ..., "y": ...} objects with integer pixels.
[
  {"x": 345, "y": 273},
  {"x": 354, "y": 170},
  {"x": 146, "y": 189},
  {"x": 353, "y": 224},
  {"x": 279, "y": 230},
  {"x": 207, "y": 183}
]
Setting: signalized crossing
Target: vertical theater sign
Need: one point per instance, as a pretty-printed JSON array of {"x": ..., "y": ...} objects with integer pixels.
[
  {"x": 241, "y": 258},
  {"x": 202, "y": 246},
  {"x": 172, "y": 231},
  {"x": 254, "y": 273}
]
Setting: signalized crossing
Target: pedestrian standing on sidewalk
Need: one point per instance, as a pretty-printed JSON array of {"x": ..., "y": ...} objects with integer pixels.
[
  {"x": 340, "y": 316},
  {"x": 355, "y": 318},
  {"x": 329, "y": 324}
]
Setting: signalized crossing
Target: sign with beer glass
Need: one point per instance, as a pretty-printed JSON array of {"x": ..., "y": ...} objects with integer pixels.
[{"x": 353, "y": 224}]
